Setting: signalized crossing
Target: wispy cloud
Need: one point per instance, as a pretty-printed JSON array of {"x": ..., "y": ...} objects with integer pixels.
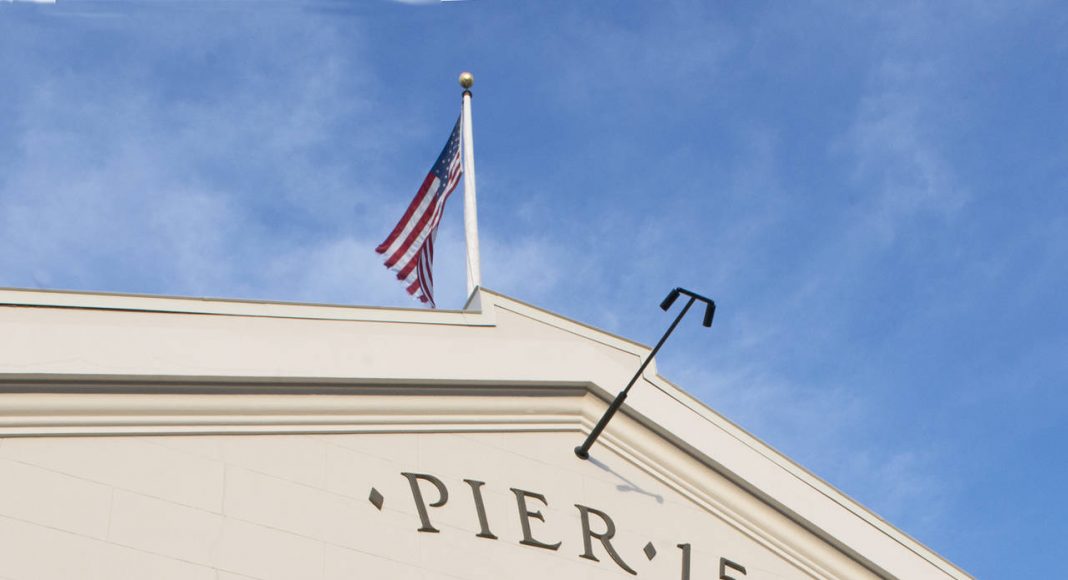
[
  {"x": 826, "y": 429},
  {"x": 118, "y": 180},
  {"x": 896, "y": 154},
  {"x": 677, "y": 44}
]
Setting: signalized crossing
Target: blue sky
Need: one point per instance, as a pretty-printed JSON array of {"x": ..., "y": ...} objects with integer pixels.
[{"x": 876, "y": 195}]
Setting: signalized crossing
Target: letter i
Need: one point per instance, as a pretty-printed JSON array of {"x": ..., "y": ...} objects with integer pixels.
[{"x": 480, "y": 509}]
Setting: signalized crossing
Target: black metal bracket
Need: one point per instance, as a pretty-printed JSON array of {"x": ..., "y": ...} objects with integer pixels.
[{"x": 583, "y": 451}]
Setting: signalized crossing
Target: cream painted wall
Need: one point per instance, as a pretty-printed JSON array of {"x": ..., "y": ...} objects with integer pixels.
[
  {"x": 295, "y": 507},
  {"x": 86, "y": 379}
]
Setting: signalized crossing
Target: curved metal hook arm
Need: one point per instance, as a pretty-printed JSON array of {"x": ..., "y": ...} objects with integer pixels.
[{"x": 583, "y": 451}]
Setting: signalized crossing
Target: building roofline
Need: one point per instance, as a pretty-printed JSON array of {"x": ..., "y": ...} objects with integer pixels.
[{"x": 645, "y": 405}]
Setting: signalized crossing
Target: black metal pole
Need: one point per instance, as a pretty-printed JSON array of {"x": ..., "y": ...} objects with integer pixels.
[{"x": 583, "y": 451}]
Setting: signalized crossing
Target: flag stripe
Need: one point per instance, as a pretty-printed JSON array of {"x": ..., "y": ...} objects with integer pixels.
[
  {"x": 417, "y": 236},
  {"x": 427, "y": 222},
  {"x": 417, "y": 202},
  {"x": 427, "y": 225},
  {"x": 409, "y": 248},
  {"x": 413, "y": 227},
  {"x": 407, "y": 260}
]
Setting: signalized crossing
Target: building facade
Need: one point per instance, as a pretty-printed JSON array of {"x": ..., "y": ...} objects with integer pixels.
[{"x": 150, "y": 438}]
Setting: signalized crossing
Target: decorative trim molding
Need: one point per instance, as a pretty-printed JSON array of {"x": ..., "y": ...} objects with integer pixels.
[
  {"x": 225, "y": 307},
  {"x": 106, "y": 364},
  {"x": 98, "y": 406}
]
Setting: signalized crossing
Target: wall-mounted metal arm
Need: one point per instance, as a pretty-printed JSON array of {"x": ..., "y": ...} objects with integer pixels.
[{"x": 583, "y": 451}]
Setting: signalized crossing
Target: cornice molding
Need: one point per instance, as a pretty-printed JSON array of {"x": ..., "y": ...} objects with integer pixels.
[
  {"x": 99, "y": 406},
  {"x": 226, "y": 307},
  {"x": 246, "y": 366}
]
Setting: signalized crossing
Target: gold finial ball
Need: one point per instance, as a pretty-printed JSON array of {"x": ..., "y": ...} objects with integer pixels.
[{"x": 466, "y": 80}]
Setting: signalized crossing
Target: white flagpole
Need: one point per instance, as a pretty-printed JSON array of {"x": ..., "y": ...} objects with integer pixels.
[{"x": 474, "y": 276}]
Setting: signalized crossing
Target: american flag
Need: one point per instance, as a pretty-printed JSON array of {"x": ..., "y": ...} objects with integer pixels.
[{"x": 409, "y": 249}]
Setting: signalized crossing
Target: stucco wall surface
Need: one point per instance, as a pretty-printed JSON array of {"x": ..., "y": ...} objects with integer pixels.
[
  {"x": 115, "y": 406},
  {"x": 296, "y": 507}
]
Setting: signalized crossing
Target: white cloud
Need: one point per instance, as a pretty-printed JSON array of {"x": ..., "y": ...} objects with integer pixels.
[
  {"x": 682, "y": 45},
  {"x": 823, "y": 427},
  {"x": 119, "y": 179},
  {"x": 895, "y": 155},
  {"x": 894, "y": 141},
  {"x": 333, "y": 271}
]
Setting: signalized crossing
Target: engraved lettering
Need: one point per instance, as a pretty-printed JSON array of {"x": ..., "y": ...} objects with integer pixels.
[
  {"x": 524, "y": 518},
  {"x": 480, "y": 507},
  {"x": 420, "y": 503},
  {"x": 685, "y": 560},
  {"x": 605, "y": 537},
  {"x": 603, "y": 531},
  {"x": 724, "y": 564}
]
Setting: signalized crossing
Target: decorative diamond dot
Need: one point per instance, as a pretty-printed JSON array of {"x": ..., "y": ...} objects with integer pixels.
[
  {"x": 376, "y": 499},
  {"x": 650, "y": 551}
]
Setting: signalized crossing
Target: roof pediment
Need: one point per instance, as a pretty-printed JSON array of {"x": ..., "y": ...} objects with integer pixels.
[{"x": 87, "y": 364}]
